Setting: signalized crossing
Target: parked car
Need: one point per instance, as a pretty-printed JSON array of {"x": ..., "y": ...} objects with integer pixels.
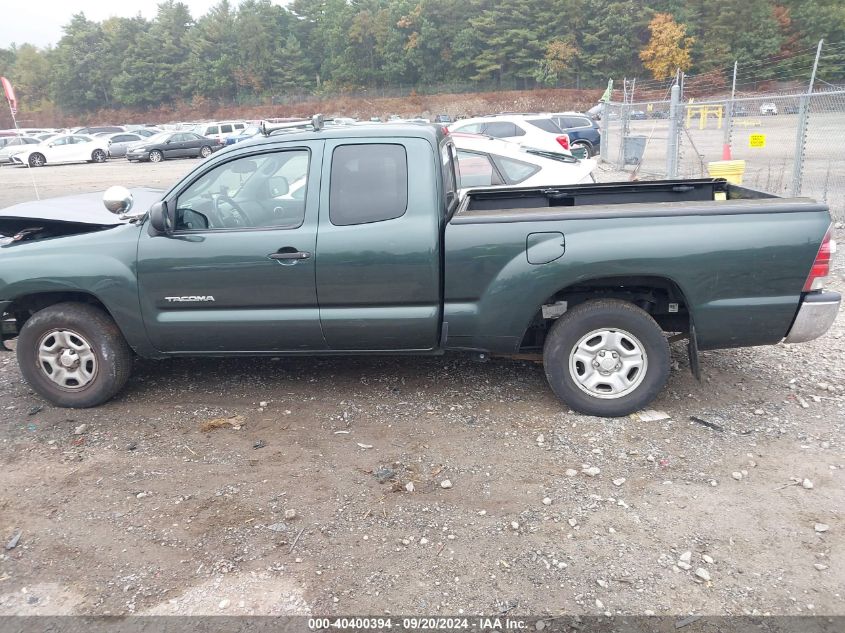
[
  {"x": 245, "y": 135},
  {"x": 792, "y": 108},
  {"x": 445, "y": 119},
  {"x": 15, "y": 145},
  {"x": 173, "y": 145},
  {"x": 486, "y": 162},
  {"x": 739, "y": 110},
  {"x": 529, "y": 130},
  {"x": 97, "y": 129},
  {"x": 637, "y": 115},
  {"x": 220, "y": 131},
  {"x": 65, "y": 148},
  {"x": 146, "y": 132},
  {"x": 583, "y": 131},
  {"x": 594, "y": 277},
  {"x": 120, "y": 142},
  {"x": 768, "y": 109}
]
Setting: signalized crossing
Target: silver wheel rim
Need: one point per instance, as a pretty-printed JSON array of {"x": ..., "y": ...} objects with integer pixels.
[
  {"x": 36, "y": 160},
  {"x": 608, "y": 363},
  {"x": 99, "y": 156},
  {"x": 204, "y": 152},
  {"x": 67, "y": 359},
  {"x": 155, "y": 157}
]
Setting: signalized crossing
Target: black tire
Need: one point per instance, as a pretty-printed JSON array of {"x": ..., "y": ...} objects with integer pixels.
[
  {"x": 98, "y": 156},
  {"x": 156, "y": 156},
  {"x": 205, "y": 151},
  {"x": 37, "y": 160},
  {"x": 612, "y": 314},
  {"x": 111, "y": 354}
]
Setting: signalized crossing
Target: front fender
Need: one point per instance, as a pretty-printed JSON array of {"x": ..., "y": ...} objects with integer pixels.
[{"x": 100, "y": 264}]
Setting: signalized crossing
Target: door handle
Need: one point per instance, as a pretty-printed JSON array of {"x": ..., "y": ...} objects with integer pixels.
[{"x": 285, "y": 254}]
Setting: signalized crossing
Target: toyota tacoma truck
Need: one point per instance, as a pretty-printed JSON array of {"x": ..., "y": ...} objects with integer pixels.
[{"x": 355, "y": 240}]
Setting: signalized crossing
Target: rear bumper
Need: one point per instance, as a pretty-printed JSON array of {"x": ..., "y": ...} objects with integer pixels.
[{"x": 816, "y": 314}]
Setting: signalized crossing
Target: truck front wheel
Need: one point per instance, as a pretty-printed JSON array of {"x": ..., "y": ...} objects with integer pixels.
[
  {"x": 74, "y": 355},
  {"x": 606, "y": 358}
]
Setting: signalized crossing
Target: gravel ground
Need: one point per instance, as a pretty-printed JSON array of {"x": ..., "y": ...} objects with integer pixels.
[{"x": 421, "y": 485}]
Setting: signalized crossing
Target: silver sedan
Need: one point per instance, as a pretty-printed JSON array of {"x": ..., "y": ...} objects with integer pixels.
[{"x": 120, "y": 141}]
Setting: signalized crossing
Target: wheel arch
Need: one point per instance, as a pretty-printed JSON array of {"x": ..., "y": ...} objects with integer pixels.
[{"x": 652, "y": 293}]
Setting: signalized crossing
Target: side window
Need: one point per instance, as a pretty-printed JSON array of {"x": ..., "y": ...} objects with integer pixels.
[
  {"x": 369, "y": 183},
  {"x": 501, "y": 129},
  {"x": 239, "y": 126},
  {"x": 515, "y": 170},
  {"x": 62, "y": 140},
  {"x": 225, "y": 129},
  {"x": 547, "y": 125},
  {"x": 259, "y": 191},
  {"x": 476, "y": 169},
  {"x": 212, "y": 129}
]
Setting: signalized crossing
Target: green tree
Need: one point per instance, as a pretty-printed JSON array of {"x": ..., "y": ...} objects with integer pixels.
[
  {"x": 213, "y": 60},
  {"x": 80, "y": 78}
]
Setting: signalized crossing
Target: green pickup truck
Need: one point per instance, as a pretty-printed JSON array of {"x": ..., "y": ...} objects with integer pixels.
[{"x": 358, "y": 240}]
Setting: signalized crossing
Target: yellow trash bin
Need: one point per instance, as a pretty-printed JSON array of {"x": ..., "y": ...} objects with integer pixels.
[{"x": 730, "y": 170}]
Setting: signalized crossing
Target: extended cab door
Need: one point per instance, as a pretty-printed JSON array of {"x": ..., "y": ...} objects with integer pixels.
[
  {"x": 378, "y": 269},
  {"x": 237, "y": 273}
]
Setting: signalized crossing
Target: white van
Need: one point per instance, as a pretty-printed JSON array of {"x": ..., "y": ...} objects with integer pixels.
[{"x": 220, "y": 131}]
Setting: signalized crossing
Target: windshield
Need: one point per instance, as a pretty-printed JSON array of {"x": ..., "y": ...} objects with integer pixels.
[{"x": 250, "y": 131}]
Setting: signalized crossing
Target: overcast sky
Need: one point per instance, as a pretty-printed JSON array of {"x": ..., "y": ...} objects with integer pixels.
[{"x": 40, "y": 22}]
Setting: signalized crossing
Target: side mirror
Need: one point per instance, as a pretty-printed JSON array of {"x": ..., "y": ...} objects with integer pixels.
[
  {"x": 160, "y": 218},
  {"x": 168, "y": 141},
  {"x": 118, "y": 199}
]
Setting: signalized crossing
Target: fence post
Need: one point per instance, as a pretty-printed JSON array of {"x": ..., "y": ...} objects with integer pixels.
[
  {"x": 801, "y": 134},
  {"x": 605, "y": 128},
  {"x": 675, "y": 123},
  {"x": 729, "y": 120}
]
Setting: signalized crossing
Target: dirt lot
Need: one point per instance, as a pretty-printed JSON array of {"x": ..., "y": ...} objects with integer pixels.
[{"x": 734, "y": 505}]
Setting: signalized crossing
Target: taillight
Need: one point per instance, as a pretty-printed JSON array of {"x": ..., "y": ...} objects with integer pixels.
[
  {"x": 821, "y": 265},
  {"x": 563, "y": 139}
]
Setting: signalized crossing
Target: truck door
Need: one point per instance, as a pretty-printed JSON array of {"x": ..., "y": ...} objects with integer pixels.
[
  {"x": 378, "y": 270},
  {"x": 237, "y": 273}
]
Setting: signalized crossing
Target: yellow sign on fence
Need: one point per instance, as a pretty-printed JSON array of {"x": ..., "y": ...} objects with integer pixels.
[{"x": 757, "y": 141}]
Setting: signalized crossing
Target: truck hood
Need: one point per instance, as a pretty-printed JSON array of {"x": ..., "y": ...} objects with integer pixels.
[{"x": 70, "y": 214}]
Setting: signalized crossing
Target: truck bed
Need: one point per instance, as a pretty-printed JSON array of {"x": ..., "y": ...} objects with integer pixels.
[{"x": 608, "y": 200}]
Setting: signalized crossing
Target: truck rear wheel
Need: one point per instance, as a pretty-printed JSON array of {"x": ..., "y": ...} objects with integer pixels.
[
  {"x": 73, "y": 355},
  {"x": 606, "y": 358}
]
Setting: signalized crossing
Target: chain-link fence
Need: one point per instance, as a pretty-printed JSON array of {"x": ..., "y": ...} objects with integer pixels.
[{"x": 792, "y": 144}]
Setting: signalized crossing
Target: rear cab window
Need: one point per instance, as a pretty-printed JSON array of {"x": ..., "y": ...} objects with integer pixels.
[
  {"x": 516, "y": 171},
  {"x": 369, "y": 183}
]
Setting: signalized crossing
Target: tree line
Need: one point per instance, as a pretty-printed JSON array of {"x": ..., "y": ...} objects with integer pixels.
[{"x": 258, "y": 49}]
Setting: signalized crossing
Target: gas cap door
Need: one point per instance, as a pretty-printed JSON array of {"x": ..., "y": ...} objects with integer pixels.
[{"x": 542, "y": 248}]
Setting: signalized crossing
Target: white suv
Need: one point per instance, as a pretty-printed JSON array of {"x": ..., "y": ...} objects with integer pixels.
[
  {"x": 220, "y": 131},
  {"x": 768, "y": 109},
  {"x": 529, "y": 130}
]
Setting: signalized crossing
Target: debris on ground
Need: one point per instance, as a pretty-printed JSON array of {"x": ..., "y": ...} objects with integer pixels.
[
  {"x": 383, "y": 474},
  {"x": 79, "y": 430},
  {"x": 13, "y": 542},
  {"x": 707, "y": 423},
  {"x": 236, "y": 422},
  {"x": 651, "y": 415}
]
